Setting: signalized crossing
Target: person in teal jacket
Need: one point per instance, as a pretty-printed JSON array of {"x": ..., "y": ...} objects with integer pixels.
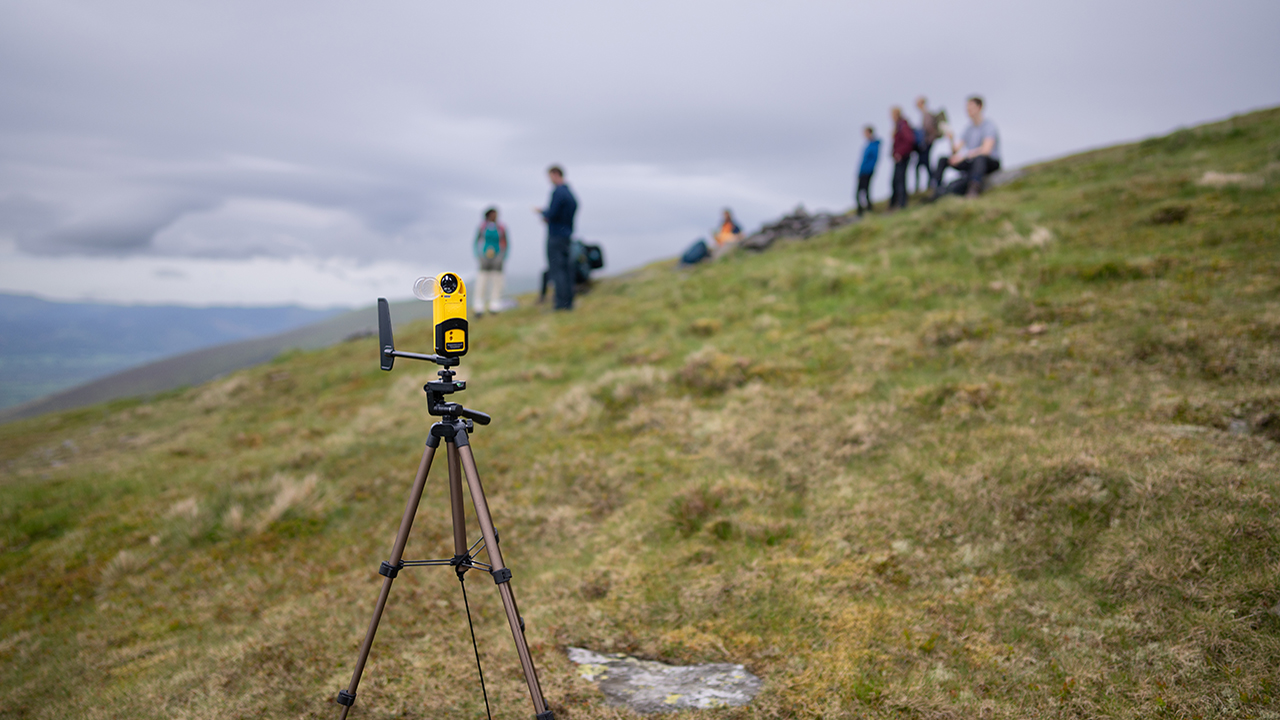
[{"x": 491, "y": 251}]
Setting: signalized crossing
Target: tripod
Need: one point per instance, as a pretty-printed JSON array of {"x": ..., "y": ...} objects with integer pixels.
[{"x": 456, "y": 423}]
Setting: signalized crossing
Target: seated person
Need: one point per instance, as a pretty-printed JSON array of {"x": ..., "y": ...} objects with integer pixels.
[
  {"x": 977, "y": 155},
  {"x": 729, "y": 230}
]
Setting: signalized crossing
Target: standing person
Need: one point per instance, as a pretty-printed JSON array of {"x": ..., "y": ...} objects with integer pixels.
[
  {"x": 558, "y": 215},
  {"x": 977, "y": 155},
  {"x": 870, "y": 156},
  {"x": 491, "y": 251},
  {"x": 929, "y": 134},
  {"x": 904, "y": 142}
]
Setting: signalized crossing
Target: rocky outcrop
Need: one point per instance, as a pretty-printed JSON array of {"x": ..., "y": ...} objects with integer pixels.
[
  {"x": 799, "y": 225},
  {"x": 647, "y": 687}
]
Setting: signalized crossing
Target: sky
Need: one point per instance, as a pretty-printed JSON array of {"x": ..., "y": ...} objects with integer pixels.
[{"x": 328, "y": 153}]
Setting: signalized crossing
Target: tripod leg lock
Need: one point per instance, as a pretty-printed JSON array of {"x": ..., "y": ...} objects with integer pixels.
[
  {"x": 389, "y": 570},
  {"x": 345, "y": 698},
  {"x": 548, "y": 715},
  {"x": 501, "y": 576}
]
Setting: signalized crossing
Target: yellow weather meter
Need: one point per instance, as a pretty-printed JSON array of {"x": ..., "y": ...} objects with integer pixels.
[{"x": 448, "y": 296}]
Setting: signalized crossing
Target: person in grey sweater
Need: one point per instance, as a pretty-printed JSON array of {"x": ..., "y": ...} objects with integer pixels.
[{"x": 976, "y": 156}]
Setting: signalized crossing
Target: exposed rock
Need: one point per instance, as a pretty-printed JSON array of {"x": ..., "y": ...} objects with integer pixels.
[
  {"x": 799, "y": 225},
  {"x": 1004, "y": 177},
  {"x": 646, "y": 686},
  {"x": 1213, "y": 178}
]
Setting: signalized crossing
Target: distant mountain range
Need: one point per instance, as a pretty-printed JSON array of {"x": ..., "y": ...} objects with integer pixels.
[
  {"x": 50, "y": 346},
  {"x": 58, "y": 356},
  {"x": 204, "y": 364}
]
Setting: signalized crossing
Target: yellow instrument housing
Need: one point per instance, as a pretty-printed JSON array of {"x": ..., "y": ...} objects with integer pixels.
[{"x": 449, "y": 316}]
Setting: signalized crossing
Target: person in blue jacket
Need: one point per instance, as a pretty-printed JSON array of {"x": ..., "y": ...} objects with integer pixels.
[
  {"x": 558, "y": 215},
  {"x": 870, "y": 154}
]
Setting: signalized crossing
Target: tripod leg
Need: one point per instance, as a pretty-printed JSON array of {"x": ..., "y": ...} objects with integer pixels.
[
  {"x": 455, "y": 501},
  {"x": 347, "y": 698},
  {"x": 502, "y": 576}
]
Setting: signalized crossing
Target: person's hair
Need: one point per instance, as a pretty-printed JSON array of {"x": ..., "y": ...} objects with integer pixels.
[
  {"x": 869, "y": 128},
  {"x": 491, "y": 211},
  {"x": 556, "y": 169},
  {"x": 976, "y": 99},
  {"x": 922, "y": 100},
  {"x": 895, "y": 110}
]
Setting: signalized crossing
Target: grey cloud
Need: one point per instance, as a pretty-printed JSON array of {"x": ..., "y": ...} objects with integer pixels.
[{"x": 373, "y": 132}]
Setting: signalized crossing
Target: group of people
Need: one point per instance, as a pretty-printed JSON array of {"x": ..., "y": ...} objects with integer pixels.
[
  {"x": 490, "y": 248},
  {"x": 974, "y": 155}
]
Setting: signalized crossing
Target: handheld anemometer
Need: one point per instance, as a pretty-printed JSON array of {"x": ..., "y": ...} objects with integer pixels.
[{"x": 448, "y": 297}]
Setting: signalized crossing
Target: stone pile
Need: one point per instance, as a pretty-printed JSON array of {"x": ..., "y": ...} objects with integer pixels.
[{"x": 799, "y": 225}]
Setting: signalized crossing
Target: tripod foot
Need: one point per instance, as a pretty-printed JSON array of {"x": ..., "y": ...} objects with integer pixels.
[{"x": 548, "y": 715}]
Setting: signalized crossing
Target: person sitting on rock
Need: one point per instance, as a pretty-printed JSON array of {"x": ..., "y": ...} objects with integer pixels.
[
  {"x": 729, "y": 231},
  {"x": 977, "y": 155}
]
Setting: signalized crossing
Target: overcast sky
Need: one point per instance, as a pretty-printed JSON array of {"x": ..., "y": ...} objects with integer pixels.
[{"x": 327, "y": 153}]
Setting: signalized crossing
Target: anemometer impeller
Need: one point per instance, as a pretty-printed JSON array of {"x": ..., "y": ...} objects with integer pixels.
[{"x": 448, "y": 296}]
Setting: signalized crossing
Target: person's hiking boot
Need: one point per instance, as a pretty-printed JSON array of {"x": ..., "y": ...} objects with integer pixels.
[{"x": 975, "y": 189}]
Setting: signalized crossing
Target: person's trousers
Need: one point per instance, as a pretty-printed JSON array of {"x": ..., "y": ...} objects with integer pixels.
[
  {"x": 922, "y": 161},
  {"x": 974, "y": 170},
  {"x": 561, "y": 273},
  {"x": 899, "y": 196},
  {"x": 488, "y": 295},
  {"x": 863, "y": 193}
]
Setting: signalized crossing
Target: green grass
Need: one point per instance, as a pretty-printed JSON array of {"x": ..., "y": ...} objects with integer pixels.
[{"x": 1014, "y": 457}]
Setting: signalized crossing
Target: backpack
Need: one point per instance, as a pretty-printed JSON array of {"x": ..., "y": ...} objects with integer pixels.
[
  {"x": 578, "y": 264},
  {"x": 595, "y": 256},
  {"x": 696, "y": 253}
]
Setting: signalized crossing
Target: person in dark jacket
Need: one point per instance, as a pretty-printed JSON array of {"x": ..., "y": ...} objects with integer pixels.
[
  {"x": 558, "y": 215},
  {"x": 870, "y": 155},
  {"x": 928, "y": 135},
  {"x": 904, "y": 143}
]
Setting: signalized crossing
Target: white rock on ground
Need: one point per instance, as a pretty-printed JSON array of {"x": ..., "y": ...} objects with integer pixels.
[{"x": 653, "y": 687}]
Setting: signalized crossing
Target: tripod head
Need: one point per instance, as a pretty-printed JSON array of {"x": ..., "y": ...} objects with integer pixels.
[{"x": 437, "y": 389}]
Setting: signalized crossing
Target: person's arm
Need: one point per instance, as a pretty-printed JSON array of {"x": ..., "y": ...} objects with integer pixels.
[
  {"x": 476, "y": 246},
  {"x": 556, "y": 206},
  {"x": 986, "y": 147},
  {"x": 502, "y": 241},
  {"x": 958, "y": 153}
]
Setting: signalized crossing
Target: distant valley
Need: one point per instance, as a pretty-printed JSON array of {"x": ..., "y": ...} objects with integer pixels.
[{"x": 48, "y": 346}]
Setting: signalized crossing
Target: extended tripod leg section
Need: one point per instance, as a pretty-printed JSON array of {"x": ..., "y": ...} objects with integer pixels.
[
  {"x": 501, "y": 576},
  {"x": 389, "y": 570}
]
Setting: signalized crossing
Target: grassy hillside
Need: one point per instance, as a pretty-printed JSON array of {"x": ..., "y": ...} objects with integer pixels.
[{"x": 1014, "y": 457}]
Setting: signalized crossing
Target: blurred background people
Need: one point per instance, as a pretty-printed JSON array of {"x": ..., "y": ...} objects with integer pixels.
[
  {"x": 728, "y": 232},
  {"x": 491, "y": 252},
  {"x": 926, "y": 135},
  {"x": 870, "y": 156},
  {"x": 977, "y": 155},
  {"x": 904, "y": 144},
  {"x": 558, "y": 215}
]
